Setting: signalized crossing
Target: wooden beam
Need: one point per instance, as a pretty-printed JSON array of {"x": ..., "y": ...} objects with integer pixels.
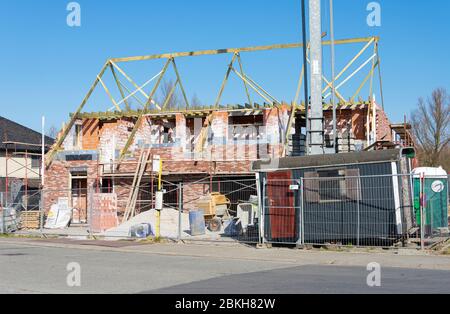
[
  {"x": 139, "y": 120},
  {"x": 225, "y": 80},
  {"x": 253, "y": 87},
  {"x": 236, "y": 50},
  {"x": 51, "y": 154},
  {"x": 138, "y": 88},
  {"x": 109, "y": 94},
  {"x": 245, "y": 84},
  {"x": 181, "y": 84},
  {"x": 363, "y": 83},
  {"x": 169, "y": 96},
  {"x": 249, "y": 79},
  {"x": 352, "y": 61},
  {"x": 124, "y": 99},
  {"x": 155, "y": 88}
]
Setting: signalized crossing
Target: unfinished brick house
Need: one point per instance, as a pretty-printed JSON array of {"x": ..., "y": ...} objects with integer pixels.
[
  {"x": 104, "y": 151},
  {"x": 90, "y": 155}
]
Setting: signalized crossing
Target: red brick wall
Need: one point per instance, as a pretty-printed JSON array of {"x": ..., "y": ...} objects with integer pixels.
[
  {"x": 359, "y": 124},
  {"x": 192, "y": 193},
  {"x": 90, "y": 129},
  {"x": 384, "y": 131},
  {"x": 57, "y": 181}
]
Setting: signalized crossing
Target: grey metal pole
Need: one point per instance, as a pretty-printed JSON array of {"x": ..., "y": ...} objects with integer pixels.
[
  {"x": 259, "y": 193},
  {"x": 3, "y": 214},
  {"x": 41, "y": 214},
  {"x": 262, "y": 210},
  {"x": 316, "y": 115},
  {"x": 305, "y": 65},
  {"x": 303, "y": 211},
  {"x": 180, "y": 208},
  {"x": 333, "y": 76},
  {"x": 300, "y": 214},
  {"x": 422, "y": 218},
  {"x": 359, "y": 210}
]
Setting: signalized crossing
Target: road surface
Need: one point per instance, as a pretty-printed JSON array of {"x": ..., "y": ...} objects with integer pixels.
[{"x": 31, "y": 266}]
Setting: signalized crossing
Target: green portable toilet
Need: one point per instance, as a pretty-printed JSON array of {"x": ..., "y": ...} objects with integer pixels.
[{"x": 435, "y": 196}]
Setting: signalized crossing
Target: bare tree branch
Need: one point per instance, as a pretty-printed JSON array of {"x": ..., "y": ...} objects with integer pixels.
[{"x": 431, "y": 128}]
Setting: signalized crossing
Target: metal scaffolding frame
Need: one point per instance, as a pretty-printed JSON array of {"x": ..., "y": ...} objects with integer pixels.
[{"x": 10, "y": 154}]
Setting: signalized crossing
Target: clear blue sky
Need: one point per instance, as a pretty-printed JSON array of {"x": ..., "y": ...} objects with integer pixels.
[{"x": 47, "y": 67}]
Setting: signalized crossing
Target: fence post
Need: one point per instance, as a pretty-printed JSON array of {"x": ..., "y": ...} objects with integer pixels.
[
  {"x": 358, "y": 191},
  {"x": 262, "y": 212},
  {"x": 303, "y": 209},
  {"x": 180, "y": 209},
  {"x": 42, "y": 212},
  {"x": 90, "y": 209},
  {"x": 3, "y": 214},
  {"x": 300, "y": 216},
  {"x": 422, "y": 218}
]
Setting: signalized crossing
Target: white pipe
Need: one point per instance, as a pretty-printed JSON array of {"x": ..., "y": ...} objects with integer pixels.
[{"x": 43, "y": 153}]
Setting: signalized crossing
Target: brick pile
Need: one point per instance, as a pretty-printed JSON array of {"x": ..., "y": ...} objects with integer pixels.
[{"x": 104, "y": 212}]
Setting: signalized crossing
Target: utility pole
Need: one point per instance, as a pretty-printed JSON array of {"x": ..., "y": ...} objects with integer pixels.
[
  {"x": 333, "y": 77},
  {"x": 305, "y": 66},
  {"x": 315, "y": 131}
]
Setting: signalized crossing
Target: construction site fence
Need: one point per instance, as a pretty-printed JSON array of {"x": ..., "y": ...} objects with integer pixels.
[
  {"x": 97, "y": 211},
  {"x": 354, "y": 211},
  {"x": 358, "y": 211}
]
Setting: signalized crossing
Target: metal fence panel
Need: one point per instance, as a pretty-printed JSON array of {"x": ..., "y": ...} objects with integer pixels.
[
  {"x": 346, "y": 210},
  {"x": 282, "y": 211},
  {"x": 381, "y": 211}
]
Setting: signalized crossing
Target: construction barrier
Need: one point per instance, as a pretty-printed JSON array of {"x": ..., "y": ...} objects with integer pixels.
[{"x": 354, "y": 211}]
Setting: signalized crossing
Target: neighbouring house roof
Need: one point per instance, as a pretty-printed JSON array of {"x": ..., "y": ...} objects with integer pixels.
[
  {"x": 318, "y": 161},
  {"x": 24, "y": 138}
]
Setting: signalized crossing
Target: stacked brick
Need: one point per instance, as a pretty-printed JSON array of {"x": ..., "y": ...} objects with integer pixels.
[{"x": 104, "y": 212}]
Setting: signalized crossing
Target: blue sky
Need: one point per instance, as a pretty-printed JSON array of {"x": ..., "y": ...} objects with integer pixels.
[{"x": 47, "y": 67}]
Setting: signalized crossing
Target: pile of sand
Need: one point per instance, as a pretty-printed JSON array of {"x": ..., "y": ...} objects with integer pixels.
[{"x": 169, "y": 224}]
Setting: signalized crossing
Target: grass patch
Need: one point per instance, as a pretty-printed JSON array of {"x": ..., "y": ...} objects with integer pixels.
[
  {"x": 153, "y": 240},
  {"x": 18, "y": 236}
]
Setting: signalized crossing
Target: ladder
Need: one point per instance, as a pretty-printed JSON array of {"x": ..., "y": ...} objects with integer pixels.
[{"x": 130, "y": 210}]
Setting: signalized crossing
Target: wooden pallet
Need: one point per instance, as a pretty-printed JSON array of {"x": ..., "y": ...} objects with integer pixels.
[{"x": 30, "y": 220}]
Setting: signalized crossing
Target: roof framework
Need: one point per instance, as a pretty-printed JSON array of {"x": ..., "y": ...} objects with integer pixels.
[{"x": 236, "y": 67}]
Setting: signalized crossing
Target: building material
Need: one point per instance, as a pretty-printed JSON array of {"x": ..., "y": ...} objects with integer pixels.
[
  {"x": 130, "y": 210},
  {"x": 30, "y": 220},
  {"x": 236, "y": 50}
]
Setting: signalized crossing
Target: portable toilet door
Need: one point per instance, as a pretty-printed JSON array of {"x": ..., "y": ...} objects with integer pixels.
[{"x": 435, "y": 198}]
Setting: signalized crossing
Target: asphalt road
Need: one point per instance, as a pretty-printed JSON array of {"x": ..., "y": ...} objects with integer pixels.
[{"x": 28, "y": 268}]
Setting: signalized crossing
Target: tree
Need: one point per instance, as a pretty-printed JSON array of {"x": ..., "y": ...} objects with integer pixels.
[
  {"x": 195, "y": 102},
  {"x": 431, "y": 129},
  {"x": 53, "y": 132},
  {"x": 166, "y": 88}
]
